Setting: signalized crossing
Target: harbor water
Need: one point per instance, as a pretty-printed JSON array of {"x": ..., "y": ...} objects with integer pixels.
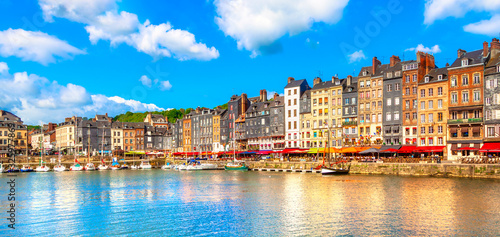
[{"x": 222, "y": 203}]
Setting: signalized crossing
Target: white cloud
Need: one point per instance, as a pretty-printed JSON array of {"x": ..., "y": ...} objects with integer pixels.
[
  {"x": 489, "y": 27},
  {"x": 421, "y": 48},
  {"x": 113, "y": 27},
  {"x": 259, "y": 23},
  {"x": 35, "y": 46},
  {"x": 103, "y": 22},
  {"x": 441, "y": 9},
  {"x": 83, "y": 11},
  {"x": 356, "y": 56},
  {"x": 36, "y": 99},
  {"x": 146, "y": 81},
  {"x": 165, "y": 85},
  {"x": 3, "y": 68}
]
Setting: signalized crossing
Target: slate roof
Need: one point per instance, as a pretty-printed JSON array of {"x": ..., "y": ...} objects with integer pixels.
[
  {"x": 475, "y": 57},
  {"x": 433, "y": 75},
  {"x": 323, "y": 85},
  {"x": 296, "y": 83},
  {"x": 354, "y": 86},
  {"x": 368, "y": 68}
]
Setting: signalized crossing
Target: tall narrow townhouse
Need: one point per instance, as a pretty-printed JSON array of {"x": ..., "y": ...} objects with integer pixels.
[
  {"x": 410, "y": 102},
  {"x": 257, "y": 124},
  {"x": 350, "y": 111},
  {"x": 117, "y": 136},
  {"x": 377, "y": 77},
  {"x": 217, "y": 140},
  {"x": 277, "y": 122},
  {"x": 293, "y": 91},
  {"x": 433, "y": 111},
  {"x": 335, "y": 112},
  {"x": 366, "y": 111},
  {"x": 320, "y": 115},
  {"x": 305, "y": 120},
  {"x": 393, "y": 109},
  {"x": 465, "y": 86},
  {"x": 492, "y": 97},
  {"x": 186, "y": 133},
  {"x": 237, "y": 107},
  {"x": 65, "y": 135}
]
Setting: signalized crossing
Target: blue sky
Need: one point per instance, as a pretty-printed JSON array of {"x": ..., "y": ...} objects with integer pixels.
[{"x": 60, "y": 58}]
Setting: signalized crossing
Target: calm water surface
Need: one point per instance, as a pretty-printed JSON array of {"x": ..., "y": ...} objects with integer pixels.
[{"x": 202, "y": 203}]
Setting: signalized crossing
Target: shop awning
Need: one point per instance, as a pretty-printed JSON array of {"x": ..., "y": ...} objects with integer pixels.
[
  {"x": 407, "y": 149},
  {"x": 490, "y": 147},
  {"x": 390, "y": 150},
  {"x": 264, "y": 152},
  {"x": 467, "y": 149},
  {"x": 369, "y": 151},
  {"x": 430, "y": 148},
  {"x": 313, "y": 150},
  {"x": 349, "y": 150}
]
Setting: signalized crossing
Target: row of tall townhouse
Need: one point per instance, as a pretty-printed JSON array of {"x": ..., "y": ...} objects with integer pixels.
[{"x": 401, "y": 103}]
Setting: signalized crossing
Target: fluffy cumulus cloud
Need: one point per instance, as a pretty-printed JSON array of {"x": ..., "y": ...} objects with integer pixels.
[
  {"x": 162, "y": 85},
  {"x": 489, "y": 27},
  {"x": 146, "y": 81},
  {"x": 256, "y": 24},
  {"x": 165, "y": 85},
  {"x": 433, "y": 50},
  {"x": 37, "y": 99},
  {"x": 35, "y": 46},
  {"x": 3, "y": 67},
  {"x": 356, "y": 56},
  {"x": 441, "y": 9},
  {"x": 104, "y": 22}
]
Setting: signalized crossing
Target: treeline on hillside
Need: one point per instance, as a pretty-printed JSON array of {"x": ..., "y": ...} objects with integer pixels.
[{"x": 172, "y": 115}]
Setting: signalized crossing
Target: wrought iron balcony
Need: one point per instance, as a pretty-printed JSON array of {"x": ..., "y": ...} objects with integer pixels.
[{"x": 350, "y": 123}]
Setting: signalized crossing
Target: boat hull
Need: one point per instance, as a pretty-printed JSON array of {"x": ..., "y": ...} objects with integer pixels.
[
  {"x": 334, "y": 171},
  {"x": 242, "y": 168}
]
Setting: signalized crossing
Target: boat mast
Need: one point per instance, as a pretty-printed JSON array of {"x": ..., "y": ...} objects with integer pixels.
[
  {"x": 76, "y": 137},
  {"x": 234, "y": 140},
  {"x": 102, "y": 144},
  {"x": 41, "y": 145}
]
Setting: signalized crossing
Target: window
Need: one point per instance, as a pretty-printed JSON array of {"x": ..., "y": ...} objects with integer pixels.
[
  {"x": 415, "y": 78},
  {"x": 407, "y": 104},
  {"x": 422, "y": 93},
  {"x": 477, "y": 113},
  {"x": 465, "y": 80},
  {"x": 367, "y": 83},
  {"x": 362, "y": 84},
  {"x": 431, "y": 92},
  {"x": 367, "y": 106},
  {"x": 422, "y": 118},
  {"x": 379, "y": 117},
  {"x": 491, "y": 131},
  {"x": 440, "y": 90},
  {"x": 477, "y": 96},
  {"x": 465, "y": 115},
  {"x": 422, "y": 141},
  {"x": 407, "y": 116},
  {"x": 389, "y": 102},
  {"x": 422, "y": 105},
  {"x": 407, "y": 78},
  {"x": 453, "y": 81},
  {"x": 431, "y": 118},
  {"x": 426, "y": 79},
  {"x": 487, "y": 100},
  {"x": 407, "y": 91},
  {"x": 454, "y": 115},
  {"x": 422, "y": 130},
  {"x": 398, "y": 86},
  {"x": 379, "y": 93},
  {"x": 396, "y": 115},
  {"x": 431, "y": 104},
  {"x": 454, "y": 98},
  {"x": 414, "y": 90},
  {"x": 414, "y": 116},
  {"x": 440, "y": 77},
  {"x": 431, "y": 140},
  {"x": 440, "y": 104},
  {"x": 465, "y": 96},
  {"x": 388, "y": 116},
  {"x": 389, "y": 87},
  {"x": 440, "y": 117},
  {"x": 396, "y": 101},
  {"x": 295, "y": 91},
  {"x": 465, "y": 62},
  {"x": 294, "y": 101},
  {"x": 289, "y": 93},
  {"x": 476, "y": 79}
]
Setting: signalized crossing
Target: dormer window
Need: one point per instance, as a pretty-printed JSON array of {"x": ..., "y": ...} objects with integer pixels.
[
  {"x": 426, "y": 79},
  {"x": 465, "y": 62},
  {"x": 397, "y": 74},
  {"x": 364, "y": 73},
  {"x": 440, "y": 77},
  {"x": 389, "y": 74}
]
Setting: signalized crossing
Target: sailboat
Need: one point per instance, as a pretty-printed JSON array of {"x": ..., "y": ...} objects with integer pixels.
[
  {"x": 42, "y": 167},
  {"x": 115, "y": 165},
  {"x": 145, "y": 165},
  {"x": 133, "y": 166},
  {"x": 103, "y": 166},
  {"x": 166, "y": 166},
  {"x": 328, "y": 170},
  {"x": 59, "y": 167},
  {"x": 236, "y": 164},
  {"x": 76, "y": 167}
]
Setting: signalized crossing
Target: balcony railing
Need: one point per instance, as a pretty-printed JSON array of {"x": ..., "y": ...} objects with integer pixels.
[
  {"x": 350, "y": 123},
  {"x": 471, "y": 120}
]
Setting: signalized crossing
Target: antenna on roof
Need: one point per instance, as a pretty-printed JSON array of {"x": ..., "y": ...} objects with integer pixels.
[{"x": 320, "y": 74}]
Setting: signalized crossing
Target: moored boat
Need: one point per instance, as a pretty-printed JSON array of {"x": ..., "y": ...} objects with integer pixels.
[
  {"x": 26, "y": 168},
  {"x": 145, "y": 165},
  {"x": 76, "y": 167},
  {"x": 2, "y": 169},
  {"x": 236, "y": 165},
  {"x": 334, "y": 171},
  {"x": 206, "y": 166},
  {"x": 103, "y": 166},
  {"x": 59, "y": 168},
  {"x": 42, "y": 168},
  {"x": 12, "y": 169}
]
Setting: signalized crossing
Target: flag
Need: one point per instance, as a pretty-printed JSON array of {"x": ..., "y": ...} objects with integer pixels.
[{"x": 76, "y": 161}]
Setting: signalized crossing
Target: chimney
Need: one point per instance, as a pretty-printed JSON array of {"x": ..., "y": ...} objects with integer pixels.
[
  {"x": 394, "y": 60},
  {"x": 375, "y": 64},
  {"x": 276, "y": 95},
  {"x": 485, "y": 49},
  {"x": 244, "y": 103},
  {"x": 290, "y": 79},
  {"x": 349, "y": 80},
  {"x": 495, "y": 47},
  {"x": 447, "y": 64},
  {"x": 316, "y": 81},
  {"x": 460, "y": 53},
  {"x": 263, "y": 96},
  {"x": 334, "y": 78}
]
